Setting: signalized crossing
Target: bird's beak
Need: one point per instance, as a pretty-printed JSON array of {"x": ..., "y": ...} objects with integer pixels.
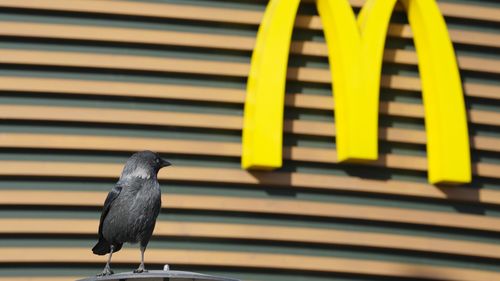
[{"x": 165, "y": 163}]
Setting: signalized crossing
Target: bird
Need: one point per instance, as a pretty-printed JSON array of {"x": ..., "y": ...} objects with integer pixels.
[{"x": 131, "y": 208}]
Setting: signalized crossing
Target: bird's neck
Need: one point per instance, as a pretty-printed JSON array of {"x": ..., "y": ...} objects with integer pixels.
[{"x": 137, "y": 173}]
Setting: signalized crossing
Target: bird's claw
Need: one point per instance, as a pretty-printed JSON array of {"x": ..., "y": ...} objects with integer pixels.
[
  {"x": 105, "y": 272},
  {"x": 140, "y": 270}
]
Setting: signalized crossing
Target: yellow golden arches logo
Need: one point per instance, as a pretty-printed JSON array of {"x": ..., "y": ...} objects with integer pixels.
[{"x": 355, "y": 51}]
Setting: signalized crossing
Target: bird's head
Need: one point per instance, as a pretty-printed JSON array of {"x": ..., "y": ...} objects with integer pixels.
[{"x": 143, "y": 164}]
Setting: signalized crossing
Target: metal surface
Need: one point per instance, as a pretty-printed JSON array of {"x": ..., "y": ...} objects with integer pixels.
[{"x": 157, "y": 275}]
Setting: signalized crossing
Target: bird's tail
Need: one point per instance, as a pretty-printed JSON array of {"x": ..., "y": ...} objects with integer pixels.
[{"x": 102, "y": 247}]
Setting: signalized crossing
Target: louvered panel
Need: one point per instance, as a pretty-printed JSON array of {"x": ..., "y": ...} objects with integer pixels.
[{"x": 85, "y": 83}]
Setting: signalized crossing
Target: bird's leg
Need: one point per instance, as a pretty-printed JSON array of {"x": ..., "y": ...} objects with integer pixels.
[
  {"x": 141, "y": 268},
  {"x": 107, "y": 269}
]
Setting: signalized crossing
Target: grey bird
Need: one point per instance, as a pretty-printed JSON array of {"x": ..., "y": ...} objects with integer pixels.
[{"x": 131, "y": 208}]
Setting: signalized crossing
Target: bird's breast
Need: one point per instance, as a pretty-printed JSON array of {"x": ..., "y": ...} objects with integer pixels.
[{"x": 133, "y": 215}]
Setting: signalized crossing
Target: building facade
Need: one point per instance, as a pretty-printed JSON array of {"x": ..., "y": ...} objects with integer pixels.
[{"x": 85, "y": 83}]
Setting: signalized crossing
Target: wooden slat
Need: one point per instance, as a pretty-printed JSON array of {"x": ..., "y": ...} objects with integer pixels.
[
  {"x": 191, "y": 93},
  {"x": 133, "y": 89},
  {"x": 227, "y": 42},
  {"x": 238, "y": 16},
  {"x": 118, "y": 116},
  {"x": 266, "y": 206},
  {"x": 119, "y": 143},
  {"x": 458, "y": 10},
  {"x": 472, "y": 12},
  {"x": 224, "y": 95},
  {"x": 122, "y": 116},
  {"x": 458, "y": 36},
  {"x": 144, "y": 117},
  {"x": 72, "y": 59},
  {"x": 263, "y": 233},
  {"x": 128, "y": 89},
  {"x": 143, "y": 63},
  {"x": 204, "y": 67},
  {"x": 321, "y": 155},
  {"x": 464, "y": 62},
  {"x": 252, "y": 260},
  {"x": 172, "y": 11},
  {"x": 236, "y": 176}
]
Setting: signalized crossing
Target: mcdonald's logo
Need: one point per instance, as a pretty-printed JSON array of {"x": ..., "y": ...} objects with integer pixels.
[{"x": 355, "y": 51}]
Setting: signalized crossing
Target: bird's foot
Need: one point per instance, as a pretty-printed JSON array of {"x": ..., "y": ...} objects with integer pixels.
[
  {"x": 107, "y": 271},
  {"x": 140, "y": 270}
]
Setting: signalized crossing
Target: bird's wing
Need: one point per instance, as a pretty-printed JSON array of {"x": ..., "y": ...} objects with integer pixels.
[{"x": 112, "y": 195}]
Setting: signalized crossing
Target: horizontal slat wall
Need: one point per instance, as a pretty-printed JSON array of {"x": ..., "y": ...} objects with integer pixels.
[{"x": 85, "y": 83}]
